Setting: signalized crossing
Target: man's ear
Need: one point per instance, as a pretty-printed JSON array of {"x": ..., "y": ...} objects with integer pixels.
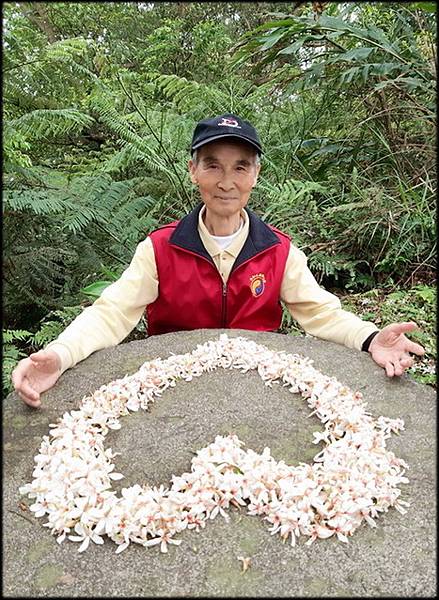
[
  {"x": 258, "y": 168},
  {"x": 192, "y": 168}
]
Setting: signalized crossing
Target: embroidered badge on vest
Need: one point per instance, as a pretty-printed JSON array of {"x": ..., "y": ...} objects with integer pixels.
[{"x": 257, "y": 284}]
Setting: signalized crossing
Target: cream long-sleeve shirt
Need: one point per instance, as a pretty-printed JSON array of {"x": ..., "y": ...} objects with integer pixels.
[{"x": 121, "y": 305}]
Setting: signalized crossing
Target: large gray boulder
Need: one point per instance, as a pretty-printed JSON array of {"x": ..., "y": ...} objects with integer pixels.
[{"x": 398, "y": 558}]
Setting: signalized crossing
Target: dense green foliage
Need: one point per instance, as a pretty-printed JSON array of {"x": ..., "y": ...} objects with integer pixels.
[{"x": 100, "y": 101}]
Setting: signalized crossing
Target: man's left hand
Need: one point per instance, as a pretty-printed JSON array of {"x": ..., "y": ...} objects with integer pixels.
[{"x": 390, "y": 348}]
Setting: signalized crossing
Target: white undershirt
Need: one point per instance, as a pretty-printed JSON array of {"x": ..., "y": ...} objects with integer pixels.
[{"x": 224, "y": 241}]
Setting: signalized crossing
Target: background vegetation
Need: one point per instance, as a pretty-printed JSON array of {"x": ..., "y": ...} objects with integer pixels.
[{"x": 99, "y": 104}]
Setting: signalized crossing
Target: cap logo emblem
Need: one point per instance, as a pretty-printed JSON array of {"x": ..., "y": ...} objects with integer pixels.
[
  {"x": 225, "y": 122},
  {"x": 257, "y": 284}
]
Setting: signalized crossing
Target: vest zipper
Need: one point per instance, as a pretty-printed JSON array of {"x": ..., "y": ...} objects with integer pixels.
[
  {"x": 224, "y": 285},
  {"x": 224, "y": 307}
]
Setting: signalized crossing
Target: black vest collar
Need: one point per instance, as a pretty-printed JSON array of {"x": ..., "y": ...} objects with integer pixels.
[{"x": 260, "y": 237}]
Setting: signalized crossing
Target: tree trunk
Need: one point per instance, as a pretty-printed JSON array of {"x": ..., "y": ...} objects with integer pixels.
[{"x": 36, "y": 12}]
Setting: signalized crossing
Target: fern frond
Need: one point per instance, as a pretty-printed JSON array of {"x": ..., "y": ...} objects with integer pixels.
[
  {"x": 11, "y": 355},
  {"x": 66, "y": 51},
  {"x": 190, "y": 96},
  {"x": 104, "y": 107},
  {"x": 282, "y": 198},
  {"x": 296, "y": 190},
  {"x": 123, "y": 159},
  {"x": 73, "y": 47},
  {"x": 140, "y": 144},
  {"x": 40, "y": 202},
  {"x": 10, "y": 335},
  {"x": 44, "y": 123},
  {"x": 51, "y": 327}
]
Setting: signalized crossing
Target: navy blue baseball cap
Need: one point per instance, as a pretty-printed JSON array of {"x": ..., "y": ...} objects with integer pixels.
[{"x": 225, "y": 126}]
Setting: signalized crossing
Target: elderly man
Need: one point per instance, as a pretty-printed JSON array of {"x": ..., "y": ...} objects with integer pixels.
[{"x": 219, "y": 267}]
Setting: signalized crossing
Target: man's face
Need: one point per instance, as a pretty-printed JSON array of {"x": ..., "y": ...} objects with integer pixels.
[{"x": 225, "y": 172}]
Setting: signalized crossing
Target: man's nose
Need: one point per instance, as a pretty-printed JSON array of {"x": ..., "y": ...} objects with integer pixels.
[{"x": 226, "y": 182}]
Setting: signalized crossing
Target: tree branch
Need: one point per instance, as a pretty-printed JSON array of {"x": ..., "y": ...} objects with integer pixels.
[
  {"x": 37, "y": 14},
  {"x": 145, "y": 120}
]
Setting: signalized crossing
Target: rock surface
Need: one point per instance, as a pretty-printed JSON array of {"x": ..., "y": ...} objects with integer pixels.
[{"x": 398, "y": 558}]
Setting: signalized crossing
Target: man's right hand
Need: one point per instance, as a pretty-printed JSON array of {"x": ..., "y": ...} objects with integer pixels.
[{"x": 36, "y": 374}]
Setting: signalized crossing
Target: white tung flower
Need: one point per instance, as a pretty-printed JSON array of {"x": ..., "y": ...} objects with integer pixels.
[
  {"x": 353, "y": 478},
  {"x": 85, "y": 534}
]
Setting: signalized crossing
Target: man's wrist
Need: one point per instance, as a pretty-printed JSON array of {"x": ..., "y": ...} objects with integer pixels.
[
  {"x": 63, "y": 354},
  {"x": 366, "y": 344}
]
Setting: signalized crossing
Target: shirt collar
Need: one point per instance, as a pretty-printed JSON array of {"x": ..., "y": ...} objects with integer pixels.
[{"x": 212, "y": 247}]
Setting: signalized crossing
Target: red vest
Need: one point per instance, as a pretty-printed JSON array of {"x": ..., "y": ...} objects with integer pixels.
[{"x": 192, "y": 294}]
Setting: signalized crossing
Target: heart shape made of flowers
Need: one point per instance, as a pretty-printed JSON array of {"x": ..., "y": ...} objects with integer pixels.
[{"x": 353, "y": 478}]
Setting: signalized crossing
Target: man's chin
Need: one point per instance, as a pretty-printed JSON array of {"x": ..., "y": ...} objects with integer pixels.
[
  {"x": 227, "y": 212},
  {"x": 224, "y": 207}
]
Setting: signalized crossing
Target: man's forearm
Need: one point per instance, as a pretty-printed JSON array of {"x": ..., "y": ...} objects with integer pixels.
[
  {"x": 318, "y": 311},
  {"x": 115, "y": 314},
  {"x": 98, "y": 326}
]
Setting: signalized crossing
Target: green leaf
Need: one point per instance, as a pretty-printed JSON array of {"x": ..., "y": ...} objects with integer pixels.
[
  {"x": 378, "y": 34},
  {"x": 290, "y": 23},
  {"x": 428, "y": 294},
  {"x": 412, "y": 83},
  {"x": 348, "y": 76},
  {"x": 271, "y": 40},
  {"x": 385, "y": 68},
  {"x": 365, "y": 73},
  {"x": 430, "y": 7},
  {"x": 109, "y": 273},
  {"x": 9, "y": 335},
  {"x": 354, "y": 54},
  {"x": 299, "y": 43},
  {"x": 94, "y": 290},
  {"x": 312, "y": 142},
  {"x": 338, "y": 24},
  {"x": 328, "y": 149}
]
